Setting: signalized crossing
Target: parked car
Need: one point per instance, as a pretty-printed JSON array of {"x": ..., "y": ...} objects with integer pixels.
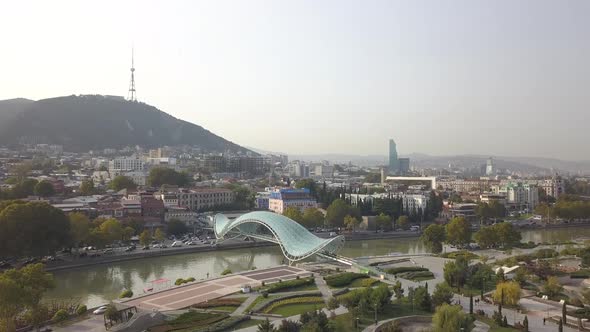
[
  {"x": 100, "y": 310},
  {"x": 176, "y": 244},
  {"x": 191, "y": 243},
  {"x": 146, "y": 248}
]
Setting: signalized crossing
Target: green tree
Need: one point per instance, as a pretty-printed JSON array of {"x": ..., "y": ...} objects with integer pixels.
[
  {"x": 128, "y": 233},
  {"x": 79, "y": 228},
  {"x": 433, "y": 237},
  {"x": 111, "y": 229},
  {"x": 293, "y": 213},
  {"x": 44, "y": 189},
  {"x": 87, "y": 188},
  {"x": 159, "y": 235},
  {"x": 351, "y": 222},
  {"x": 333, "y": 304},
  {"x": 162, "y": 175},
  {"x": 449, "y": 318},
  {"x": 507, "y": 293},
  {"x": 398, "y": 290},
  {"x": 458, "y": 231},
  {"x": 486, "y": 237},
  {"x": 176, "y": 227},
  {"x": 507, "y": 234},
  {"x": 422, "y": 298},
  {"x": 337, "y": 211},
  {"x": 25, "y": 187},
  {"x": 145, "y": 238},
  {"x": 403, "y": 222},
  {"x": 22, "y": 289},
  {"x": 552, "y": 287},
  {"x": 443, "y": 293},
  {"x": 383, "y": 222},
  {"x": 122, "y": 182},
  {"x": 313, "y": 217},
  {"x": 33, "y": 229},
  {"x": 307, "y": 184},
  {"x": 266, "y": 326}
]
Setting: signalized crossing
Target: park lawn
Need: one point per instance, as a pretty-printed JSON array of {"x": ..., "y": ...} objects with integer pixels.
[
  {"x": 228, "y": 308},
  {"x": 245, "y": 324},
  {"x": 259, "y": 299},
  {"x": 293, "y": 309},
  {"x": 345, "y": 322},
  {"x": 495, "y": 327}
]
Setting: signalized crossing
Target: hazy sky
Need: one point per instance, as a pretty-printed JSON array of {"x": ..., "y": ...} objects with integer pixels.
[{"x": 441, "y": 77}]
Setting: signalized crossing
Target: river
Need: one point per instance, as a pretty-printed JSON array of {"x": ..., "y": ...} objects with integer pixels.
[{"x": 95, "y": 285}]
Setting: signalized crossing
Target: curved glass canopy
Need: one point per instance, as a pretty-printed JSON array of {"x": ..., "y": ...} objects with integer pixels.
[{"x": 296, "y": 241}]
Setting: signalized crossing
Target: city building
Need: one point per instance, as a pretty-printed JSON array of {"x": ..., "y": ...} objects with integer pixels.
[
  {"x": 404, "y": 165},
  {"x": 200, "y": 199},
  {"x": 490, "y": 169},
  {"x": 519, "y": 196},
  {"x": 281, "y": 199},
  {"x": 122, "y": 165},
  {"x": 393, "y": 161},
  {"x": 261, "y": 201}
]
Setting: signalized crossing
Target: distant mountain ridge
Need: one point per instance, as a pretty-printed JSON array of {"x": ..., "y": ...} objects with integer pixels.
[
  {"x": 526, "y": 164},
  {"x": 89, "y": 122}
]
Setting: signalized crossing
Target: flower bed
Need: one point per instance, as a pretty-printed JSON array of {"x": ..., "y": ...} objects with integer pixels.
[
  {"x": 231, "y": 302},
  {"x": 403, "y": 269}
]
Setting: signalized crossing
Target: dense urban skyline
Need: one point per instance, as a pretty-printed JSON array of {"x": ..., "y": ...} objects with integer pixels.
[{"x": 498, "y": 78}]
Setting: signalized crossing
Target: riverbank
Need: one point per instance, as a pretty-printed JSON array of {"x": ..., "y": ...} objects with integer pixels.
[{"x": 85, "y": 262}]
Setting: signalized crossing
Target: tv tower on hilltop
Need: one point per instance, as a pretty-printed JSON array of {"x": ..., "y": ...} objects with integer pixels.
[{"x": 132, "y": 96}]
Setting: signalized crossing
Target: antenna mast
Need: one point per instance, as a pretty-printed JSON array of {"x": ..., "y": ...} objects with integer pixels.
[{"x": 132, "y": 96}]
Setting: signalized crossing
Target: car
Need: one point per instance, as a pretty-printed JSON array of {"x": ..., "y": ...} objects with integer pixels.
[
  {"x": 176, "y": 244},
  {"x": 100, "y": 310},
  {"x": 108, "y": 251},
  {"x": 163, "y": 245},
  {"x": 128, "y": 249},
  {"x": 146, "y": 248},
  {"x": 191, "y": 243}
]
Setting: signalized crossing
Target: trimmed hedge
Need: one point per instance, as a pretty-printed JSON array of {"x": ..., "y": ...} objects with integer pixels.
[
  {"x": 454, "y": 254},
  {"x": 224, "y": 325},
  {"x": 581, "y": 274},
  {"x": 343, "y": 279},
  {"x": 285, "y": 285},
  {"x": 218, "y": 303},
  {"x": 181, "y": 281},
  {"x": 226, "y": 272},
  {"x": 403, "y": 269},
  {"x": 422, "y": 275}
]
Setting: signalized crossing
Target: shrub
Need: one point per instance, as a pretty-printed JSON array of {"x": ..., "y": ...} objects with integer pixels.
[
  {"x": 126, "y": 294},
  {"x": 403, "y": 269},
  {"x": 226, "y": 272},
  {"x": 418, "y": 275},
  {"x": 60, "y": 316},
  {"x": 191, "y": 279},
  {"x": 81, "y": 310},
  {"x": 263, "y": 284},
  {"x": 179, "y": 282},
  {"x": 368, "y": 282},
  {"x": 343, "y": 279},
  {"x": 289, "y": 285},
  {"x": 265, "y": 294}
]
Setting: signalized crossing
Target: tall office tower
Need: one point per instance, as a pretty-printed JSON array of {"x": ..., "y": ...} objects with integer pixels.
[
  {"x": 490, "y": 170},
  {"x": 393, "y": 161}
]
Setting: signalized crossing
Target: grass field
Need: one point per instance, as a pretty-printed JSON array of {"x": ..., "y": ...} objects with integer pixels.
[
  {"x": 288, "y": 310},
  {"x": 494, "y": 327},
  {"x": 245, "y": 324}
]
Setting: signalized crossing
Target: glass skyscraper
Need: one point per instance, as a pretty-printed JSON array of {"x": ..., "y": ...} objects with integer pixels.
[{"x": 393, "y": 160}]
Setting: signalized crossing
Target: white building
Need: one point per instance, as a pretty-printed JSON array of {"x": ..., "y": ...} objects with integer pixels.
[
  {"x": 410, "y": 202},
  {"x": 519, "y": 195},
  {"x": 139, "y": 178},
  {"x": 122, "y": 165}
]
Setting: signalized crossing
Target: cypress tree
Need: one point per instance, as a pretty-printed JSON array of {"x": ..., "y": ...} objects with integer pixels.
[
  {"x": 560, "y": 326},
  {"x": 525, "y": 323},
  {"x": 564, "y": 313},
  {"x": 471, "y": 304},
  {"x": 505, "y": 322}
]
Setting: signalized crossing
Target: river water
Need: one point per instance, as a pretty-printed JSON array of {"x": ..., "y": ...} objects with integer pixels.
[{"x": 95, "y": 285}]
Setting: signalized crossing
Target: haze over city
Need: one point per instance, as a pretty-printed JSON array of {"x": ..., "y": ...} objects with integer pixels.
[{"x": 307, "y": 77}]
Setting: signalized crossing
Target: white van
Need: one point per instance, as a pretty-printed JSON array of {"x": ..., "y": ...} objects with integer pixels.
[
  {"x": 176, "y": 244},
  {"x": 415, "y": 228}
]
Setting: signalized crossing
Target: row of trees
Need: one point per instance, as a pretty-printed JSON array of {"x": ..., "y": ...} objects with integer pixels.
[
  {"x": 27, "y": 187},
  {"x": 458, "y": 233},
  {"x": 567, "y": 207}
]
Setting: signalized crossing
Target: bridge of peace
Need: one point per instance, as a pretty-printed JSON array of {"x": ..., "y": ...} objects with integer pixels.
[{"x": 296, "y": 244}]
